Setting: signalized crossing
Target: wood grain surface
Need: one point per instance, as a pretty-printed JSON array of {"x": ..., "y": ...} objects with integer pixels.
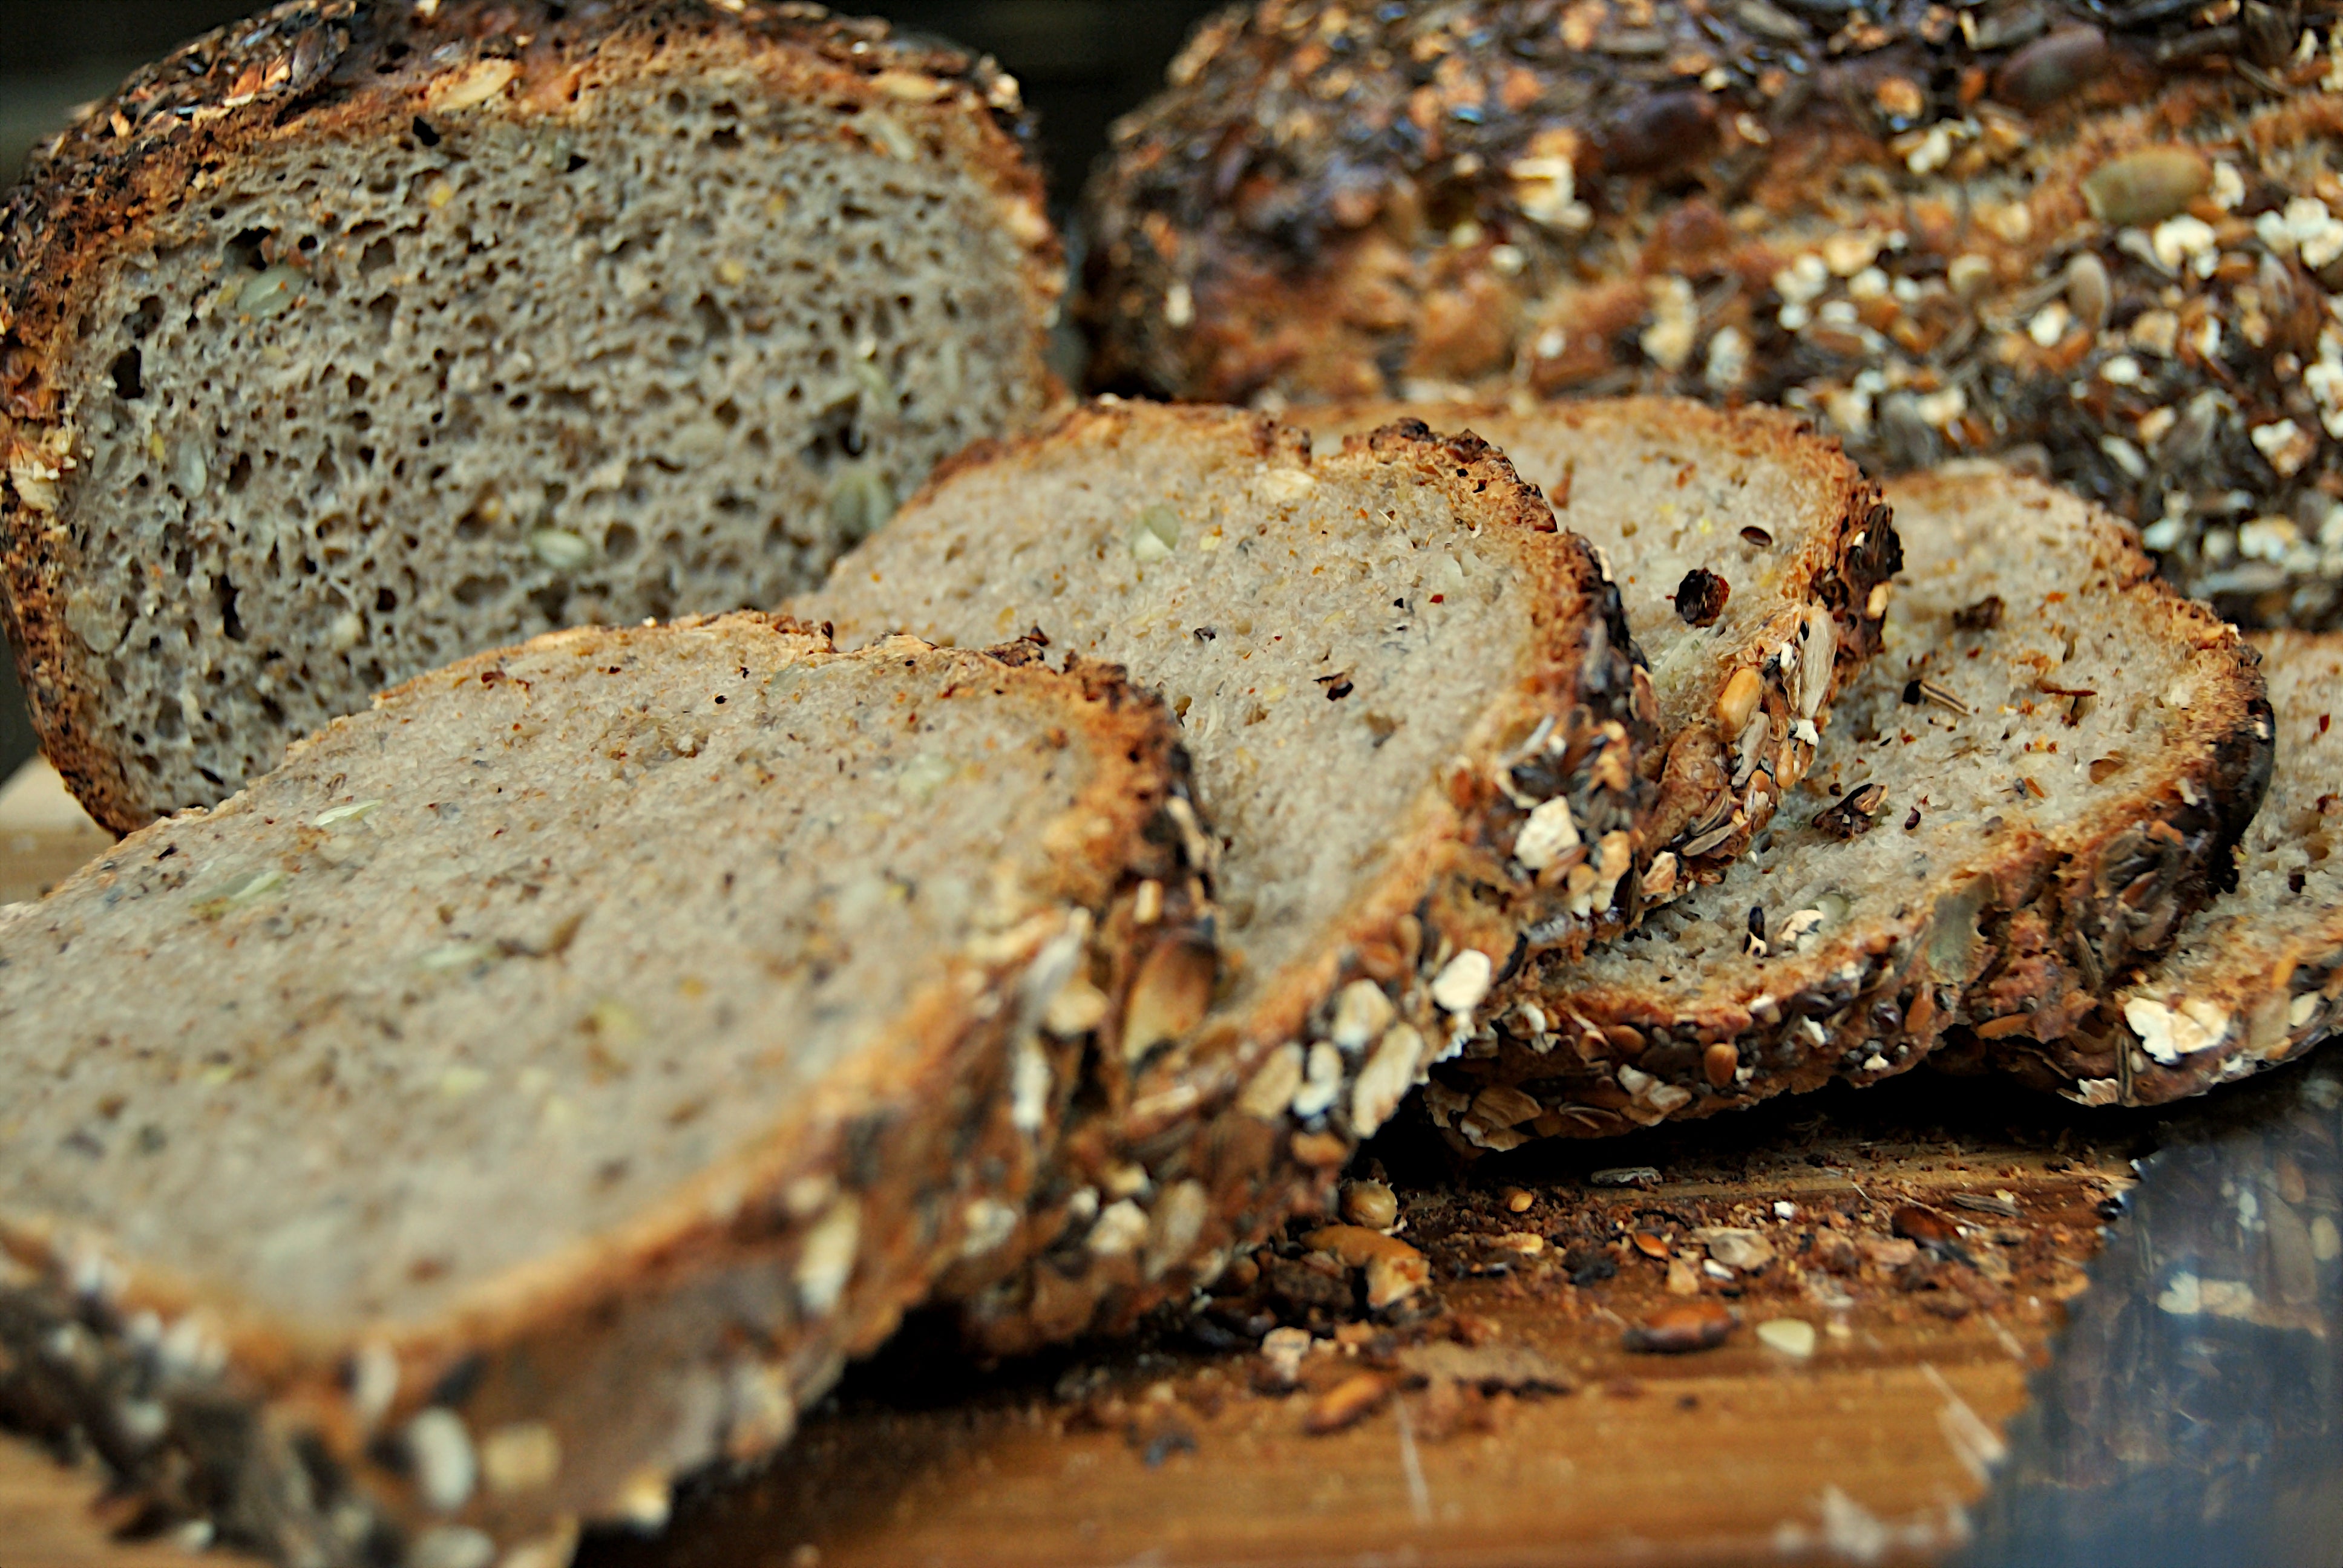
[{"x": 1169, "y": 1452}]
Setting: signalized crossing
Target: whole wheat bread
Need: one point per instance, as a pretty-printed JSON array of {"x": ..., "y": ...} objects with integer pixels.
[
  {"x": 1415, "y": 717},
  {"x": 534, "y": 1088},
  {"x": 2095, "y": 239},
  {"x": 1739, "y": 542},
  {"x": 2036, "y": 781},
  {"x": 355, "y": 338},
  {"x": 2253, "y": 979}
]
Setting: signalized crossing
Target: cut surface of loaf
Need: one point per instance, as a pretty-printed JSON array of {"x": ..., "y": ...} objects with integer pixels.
[
  {"x": 1414, "y": 718},
  {"x": 537, "y": 1085},
  {"x": 353, "y": 339},
  {"x": 1739, "y": 541},
  {"x": 1926, "y": 235},
  {"x": 2037, "y": 779},
  {"x": 2252, "y": 980}
]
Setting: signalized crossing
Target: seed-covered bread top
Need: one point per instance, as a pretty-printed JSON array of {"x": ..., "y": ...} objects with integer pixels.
[
  {"x": 1415, "y": 721},
  {"x": 676, "y": 965},
  {"x": 2023, "y": 795},
  {"x": 354, "y": 339},
  {"x": 2098, "y": 239},
  {"x": 1740, "y": 542},
  {"x": 2251, "y": 979}
]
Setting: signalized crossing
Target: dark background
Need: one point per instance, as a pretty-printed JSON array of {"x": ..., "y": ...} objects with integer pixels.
[{"x": 1082, "y": 63}]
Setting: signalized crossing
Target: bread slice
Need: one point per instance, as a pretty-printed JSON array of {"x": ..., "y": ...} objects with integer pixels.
[
  {"x": 2022, "y": 796},
  {"x": 355, "y": 338},
  {"x": 1739, "y": 541},
  {"x": 1413, "y": 712},
  {"x": 534, "y": 1088},
  {"x": 2253, "y": 979}
]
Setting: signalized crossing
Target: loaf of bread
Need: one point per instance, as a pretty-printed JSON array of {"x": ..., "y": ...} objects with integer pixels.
[
  {"x": 2037, "y": 779},
  {"x": 2099, "y": 241},
  {"x": 1413, "y": 714},
  {"x": 356, "y": 337},
  {"x": 537, "y": 1085},
  {"x": 1740, "y": 543},
  {"x": 2253, "y": 979}
]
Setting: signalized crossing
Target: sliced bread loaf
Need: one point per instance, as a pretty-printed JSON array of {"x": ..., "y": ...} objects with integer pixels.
[
  {"x": 536, "y": 1086},
  {"x": 1415, "y": 716},
  {"x": 2253, "y": 980},
  {"x": 1741, "y": 543},
  {"x": 2101, "y": 239},
  {"x": 356, "y": 337},
  {"x": 2022, "y": 796}
]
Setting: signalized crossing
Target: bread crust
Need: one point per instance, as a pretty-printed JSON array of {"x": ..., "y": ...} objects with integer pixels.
[
  {"x": 1938, "y": 229},
  {"x": 1213, "y": 1115},
  {"x": 679, "y": 1336},
  {"x": 1701, "y": 820},
  {"x": 2028, "y": 944},
  {"x": 2269, "y": 989},
  {"x": 323, "y": 71}
]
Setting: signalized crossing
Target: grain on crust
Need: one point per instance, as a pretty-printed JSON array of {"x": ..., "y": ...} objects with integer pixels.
[
  {"x": 1792, "y": 550},
  {"x": 354, "y": 339},
  {"x": 664, "y": 1008},
  {"x": 2102, "y": 242},
  {"x": 2252, "y": 980},
  {"x": 2068, "y": 751},
  {"x": 1389, "y": 663}
]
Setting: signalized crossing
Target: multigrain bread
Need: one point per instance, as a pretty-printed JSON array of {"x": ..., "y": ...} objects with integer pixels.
[
  {"x": 2100, "y": 240},
  {"x": 2037, "y": 779},
  {"x": 1740, "y": 542},
  {"x": 2253, "y": 980},
  {"x": 1415, "y": 718},
  {"x": 533, "y": 1088},
  {"x": 359, "y": 337}
]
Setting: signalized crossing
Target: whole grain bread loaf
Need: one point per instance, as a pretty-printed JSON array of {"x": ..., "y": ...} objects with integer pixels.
[
  {"x": 535, "y": 1087},
  {"x": 2037, "y": 779},
  {"x": 1415, "y": 718},
  {"x": 2100, "y": 240},
  {"x": 1740, "y": 543},
  {"x": 359, "y": 337},
  {"x": 2253, "y": 979}
]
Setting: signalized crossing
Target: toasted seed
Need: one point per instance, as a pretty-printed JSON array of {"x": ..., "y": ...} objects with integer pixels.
[
  {"x": 1168, "y": 997},
  {"x": 1347, "y": 1403},
  {"x": 1793, "y": 1337},
  {"x": 1924, "y": 1226},
  {"x": 1651, "y": 1246},
  {"x": 2000, "y": 1203},
  {"x": 1719, "y": 1062},
  {"x": 1701, "y": 597},
  {"x": 1738, "y": 700},
  {"x": 1982, "y": 616},
  {"x": 1395, "y": 1269},
  {"x": 1854, "y": 813},
  {"x": 2146, "y": 187},
  {"x": 1370, "y": 1203},
  {"x": 1625, "y": 1176},
  {"x": 1679, "y": 1330},
  {"x": 1518, "y": 1200}
]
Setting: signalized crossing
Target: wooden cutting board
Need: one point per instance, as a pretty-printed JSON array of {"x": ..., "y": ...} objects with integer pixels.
[{"x": 1867, "y": 1449}]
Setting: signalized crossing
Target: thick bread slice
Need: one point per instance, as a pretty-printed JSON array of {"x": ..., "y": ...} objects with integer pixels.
[
  {"x": 536, "y": 1086},
  {"x": 1778, "y": 523},
  {"x": 352, "y": 340},
  {"x": 1399, "y": 682},
  {"x": 2064, "y": 752},
  {"x": 2253, "y": 980}
]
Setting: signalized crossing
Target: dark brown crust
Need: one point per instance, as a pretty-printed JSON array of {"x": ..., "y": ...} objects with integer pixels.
[
  {"x": 1204, "y": 1111},
  {"x": 353, "y": 69},
  {"x": 1847, "y": 555},
  {"x": 269, "y": 1443},
  {"x": 1375, "y": 212},
  {"x": 2030, "y": 945}
]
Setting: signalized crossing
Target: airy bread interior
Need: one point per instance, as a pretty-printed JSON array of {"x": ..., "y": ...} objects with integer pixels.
[
  {"x": 1329, "y": 634},
  {"x": 538, "y": 946},
  {"x": 364, "y": 405}
]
